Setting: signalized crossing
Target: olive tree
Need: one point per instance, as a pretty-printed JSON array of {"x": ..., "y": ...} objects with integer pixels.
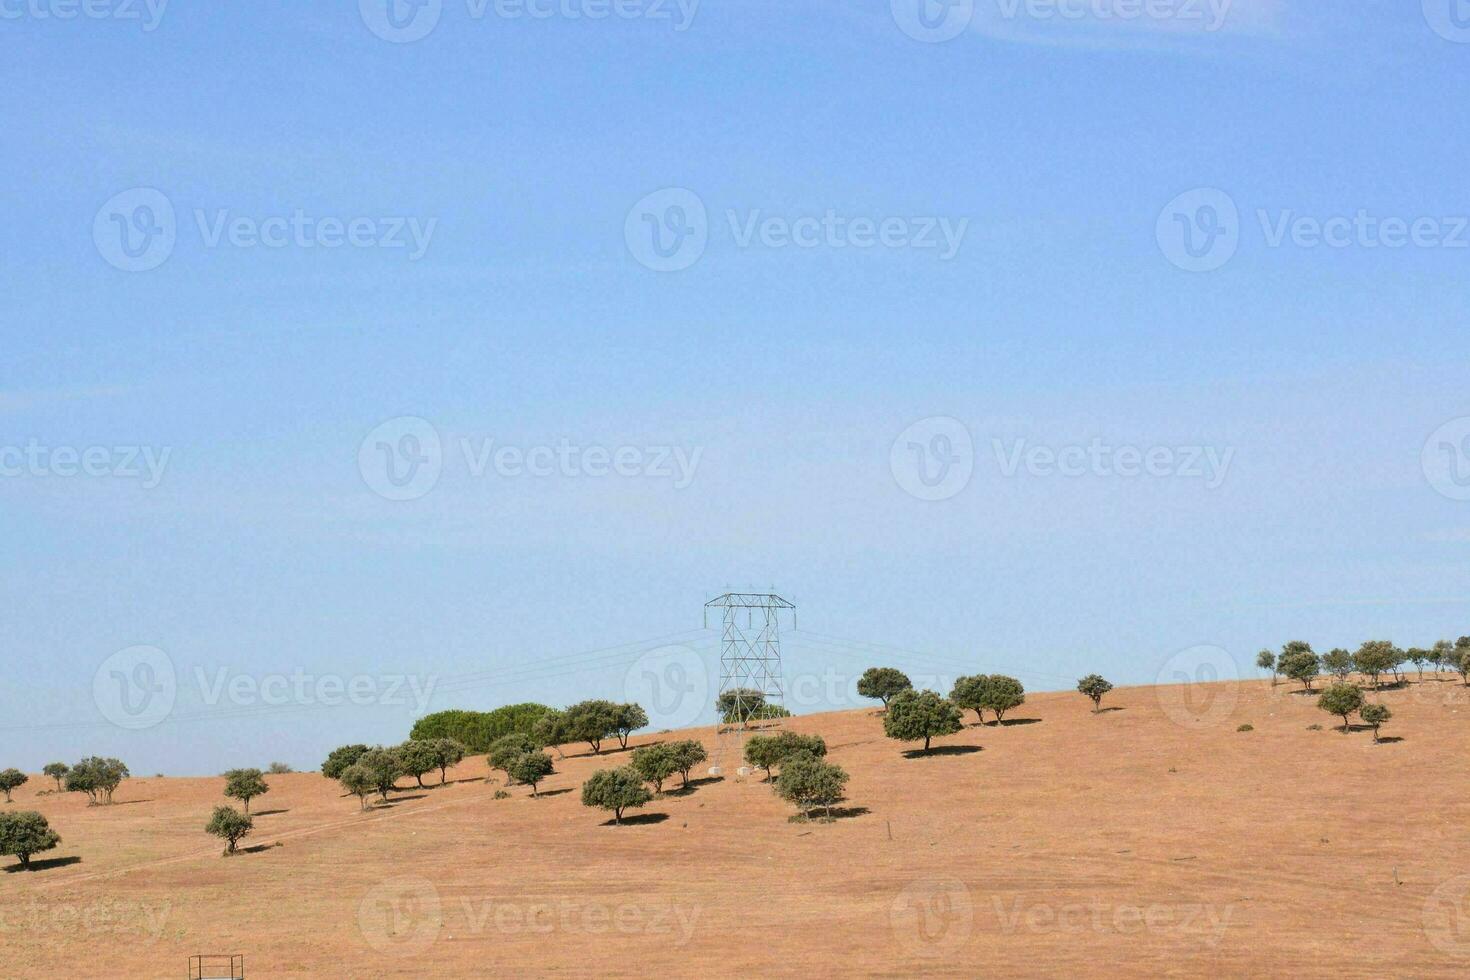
[
  {"x": 769, "y": 751},
  {"x": 655, "y": 763},
  {"x": 245, "y": 785},
  {"x": 507, "y": 749},
  {"x": 447, "y": 752},
  {"x": 1338, "y": 662},
  {"x": 1375, "y": 715},
  {"x": 25, "y": 833},
  {"x": 530, "y": 768},
  {"x": 628, "y": 718},
  {"x": 1439, "y": 656},
  {"x": 616, "y": 790},
  {"x": 340, "y": 759},
  {"x": 1094, "y": 686},
  {"x": 11, "y": 780},
  {"x": 57, "y": 771},
  {"x": 915, "y": 716},
  {"x": 1301, "y": 666},
  {"x": 1375, "y": 658},
  {"x": 230, "y": 825},
  {"x": 591, "y": 722},
  {"x": 1341, "y": 699},
  {"x": 551, "y": 730},
  {"x": 740, "y": 705},
  {"x": 358, "y": 781},
  {"x": 809, "y": 782},
  {"x": 968, "y": 693},
  {"x": 1001, "y": 694},
  {"x": 1460, "y": 658},
  {"x": 419, "y": 758},
  {"x": 99, "y": 778},
  {"x": 383, "y": 767},
  {"x": 883, "y": 683},
  {"x": 1418, "y": 656},
  {"x": 687, "y": 754},
  {"x": 1266, "y": 660}
]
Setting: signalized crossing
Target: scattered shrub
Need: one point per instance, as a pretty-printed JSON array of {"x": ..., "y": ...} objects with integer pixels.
[
  {"x": 530, "y": 768},
  {"x": 1094, "y": 686},
  {"x": 655, "y": 763},
  {"x": 57, "y": 771},
  {"x": 230, "y": 825},
  {"x": 616, "y": 790},
  {"x": 1246, "y": 728},
  {"x": 883, "y": 683},
  {"x": 809, "y": 782},
  {"x": 99, "y": 778},
  {"x": 11, "y": 780},
  {"x": 279, "y": 769},
  {"x": 1375, "y": 715},
  {"x": 1341, "y": 699},
  {"x": 914, "y": 716},
  {"x": 25, "y": 833},
  {"x": 244, "y": 785},
  {"x": 340, "y": 759}
]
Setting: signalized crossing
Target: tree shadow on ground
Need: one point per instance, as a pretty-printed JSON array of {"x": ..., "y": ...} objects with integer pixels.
[
  {"x": 849, "y": 812},
  {"x": 1114, "y": 707},
  {"x": 637, "y": 819},
  {"x": 257, "y": 848},
  {"x": 404, "y": 799},
  {"x": 126, "y": 802},
  {"x": 270, "y": 813},
  {"x": 552, "y": 792},
  {"x": 940, "y": 750},
  {"x": 694, "y": 784},
  {"x": 1390, "y": 739},
  {"x": 467, "y": 779},
  {"x": 1011, "y": 722},
  {"x": 40, "y": 864}
]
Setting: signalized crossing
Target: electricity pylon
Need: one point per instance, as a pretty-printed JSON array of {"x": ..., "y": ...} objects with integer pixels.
[{"x": 750, "y": 665}]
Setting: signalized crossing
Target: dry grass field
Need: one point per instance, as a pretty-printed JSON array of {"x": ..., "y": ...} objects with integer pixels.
[{"x": 1152, "y": 839}]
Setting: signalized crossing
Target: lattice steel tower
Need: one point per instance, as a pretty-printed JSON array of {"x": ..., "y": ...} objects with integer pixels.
[{"x": 750, "y": 662}]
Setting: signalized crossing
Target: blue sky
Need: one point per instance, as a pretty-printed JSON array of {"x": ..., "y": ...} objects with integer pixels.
[{"x": 1061, "y": 150}]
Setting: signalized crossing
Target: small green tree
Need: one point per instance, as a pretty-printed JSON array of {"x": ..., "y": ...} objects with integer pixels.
[
  {"x": 655, "y": 763},
  {"x": 687, "y": 754},
  {"x": 1341, "y": 699},
  {"x": 25, "y": 833},
  {"x": 809, "y": 782},
  {"x": 507, "y": 749},
  {"x": 1439, "y": 656},
  {"x": 968, "y": 693},
  {"x": 1338, "y": 662},
  {"x": 1266, "y": 660},
  {"x": 591, "y": 722},
  {"x": 628, "y": 718},
  {"x": 230, "y": 825},
  {"x": 1418, "y": 656},
  {"x": 383, "y": 767},
  {"x": 530, "y": 768},
  {"x": 762, "y": 752},
  {"x": 279, "y": 769},
  {"x": 915, "y": 716},
  {"x": 1301, "y": 666},
  {"x": 551, "y": 731},
  {"x": 883, "y": 683},
  {"x": 99, "y": 778},
  {"x": 245, "y": 785},
  {"x": 447, "y": 752},
  {"x": 1001, "y": 694},
  {"x": 358, "y": 781},
  {"x": 769, "y": 751},
  {"x": 740, "y": 705},
  {"x": 419, "y": 758},
  {"x": 1375, "y": 658},
  {"x": 57, "y": 771},
  {"x": 341, "y": 758},
  {"x": 616, "y": 790},
  {"x": 1460, "y": 659},
  {"x": 1094, "y": 686},
  {"x": 1375, "y": 715},
  {"x": 11, "y": 780}
]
